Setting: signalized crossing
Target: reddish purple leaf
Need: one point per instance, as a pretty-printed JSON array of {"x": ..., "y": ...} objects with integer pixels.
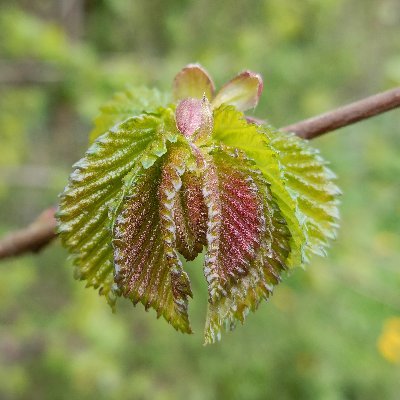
[
  {"x": 191, "y": 217},
  {"x": 194, "y": 116},
  {"x": 147, "y": 265},
  {"x": 248, "y": 241},
  {"x": 236, "y": 224}
]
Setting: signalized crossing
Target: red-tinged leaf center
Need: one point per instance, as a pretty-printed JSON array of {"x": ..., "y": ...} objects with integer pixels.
[
  {"x": 240, "y": 224},
  {"x": 191, "y": 217},
  {"x": 194, "y": 116},
  {"x": 236, "y": 224}
]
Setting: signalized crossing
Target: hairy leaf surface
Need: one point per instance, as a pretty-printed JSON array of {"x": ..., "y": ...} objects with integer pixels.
[
  {"x": 147, "y": 266},
  {"x": 248, "y": 241},
  {"x": 190, "y": 216},
  {"x": 94, "y": 186},
  {"x": 130, "y": 102},
  {"x": 311, "y": 183},
  {"x": 232, "y": 129}
]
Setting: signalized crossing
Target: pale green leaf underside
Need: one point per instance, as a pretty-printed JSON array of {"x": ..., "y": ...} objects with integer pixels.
[{"x": 311, "y": 183}]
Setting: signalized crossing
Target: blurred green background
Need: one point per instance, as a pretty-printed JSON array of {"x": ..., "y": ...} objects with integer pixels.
[{"x": 329, "y": 332}]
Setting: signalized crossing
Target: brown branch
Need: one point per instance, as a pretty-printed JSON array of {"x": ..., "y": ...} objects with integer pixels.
[
  {"x": 32, "y": 238},
  {"x": 42, "y": 231},
  {"x": 346, "y": 115}
]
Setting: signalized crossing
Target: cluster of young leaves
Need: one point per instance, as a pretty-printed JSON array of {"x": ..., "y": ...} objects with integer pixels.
[{"x": 159, "y": 180}]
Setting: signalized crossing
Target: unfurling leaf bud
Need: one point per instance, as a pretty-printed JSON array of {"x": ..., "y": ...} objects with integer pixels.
[{"x": 162, "y": 179}]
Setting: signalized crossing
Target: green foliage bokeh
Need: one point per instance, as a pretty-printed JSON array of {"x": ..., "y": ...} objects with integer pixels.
[{"x": 317, "y": 337}]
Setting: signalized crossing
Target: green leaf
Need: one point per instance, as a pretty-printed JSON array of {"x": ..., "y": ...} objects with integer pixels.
[
  {"x": 232, "y": 129},
  {"x": 192, "y": 81},
  {"x": 147, "y": 266},
  {"x": 129, "y": 103},
  {"x": 95, "y": 186},
  {"x": 242, "y": 92},
  {"x": 311, "y": 183},
  {"x": 248, "y": 240}
]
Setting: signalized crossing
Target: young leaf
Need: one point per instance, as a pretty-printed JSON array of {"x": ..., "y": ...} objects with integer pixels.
[
  {"x": 190, "y": 216},
  {"x": 130, "y": 102},
  {"x": 94, "y": 186},
  {"x": 147, "y": 266},
  {"x": 243, "y": 91},
  {"x": 232, "y": 129},
  {"x": 192, "y": 81},
  {"x": 311, "y": 183},
  {"x": 248, "y": 241}
]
